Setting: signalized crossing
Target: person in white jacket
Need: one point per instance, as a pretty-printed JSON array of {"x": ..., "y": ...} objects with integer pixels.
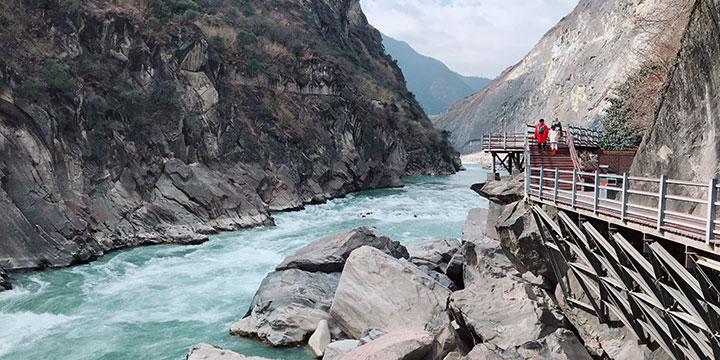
[{"x": 554, "y": 137}]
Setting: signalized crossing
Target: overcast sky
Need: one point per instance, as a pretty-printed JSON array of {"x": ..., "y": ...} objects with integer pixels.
[{"x": 472, "y": 37}]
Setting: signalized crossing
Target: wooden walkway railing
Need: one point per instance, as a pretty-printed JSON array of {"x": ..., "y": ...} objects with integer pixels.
[
  {"x": 630, "y": 200},
  {"x": 503, "y": 142}
]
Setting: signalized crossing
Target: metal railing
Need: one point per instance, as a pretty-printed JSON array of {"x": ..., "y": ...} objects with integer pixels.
[
  {"x": 503, "y": 141},
  {"x": 585, "y": 137},
  {"x": 637, "y": 203}
]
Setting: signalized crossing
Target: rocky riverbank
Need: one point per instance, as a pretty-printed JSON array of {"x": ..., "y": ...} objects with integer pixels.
[
  {"x": 123, "y": 124},
  {"x": 491, "y": 295}
]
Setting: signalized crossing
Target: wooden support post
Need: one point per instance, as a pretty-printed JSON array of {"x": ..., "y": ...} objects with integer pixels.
[
  {"x": 494, "y": 170},
  {"x": 596, "y": 196},
  {"x": 661, "y": 202},
  {"x": 647, "y": 240},
  {"x": 557, "y": 184},
  {"x": 542, "y": 180},
  {"x": 712, "y": 199},
  {"x": 626, "y": 188},
  {"x": 574, "y": 187}
]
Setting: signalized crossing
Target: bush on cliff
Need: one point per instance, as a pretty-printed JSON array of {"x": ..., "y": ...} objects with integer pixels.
[{"x": 618, "y": 133}]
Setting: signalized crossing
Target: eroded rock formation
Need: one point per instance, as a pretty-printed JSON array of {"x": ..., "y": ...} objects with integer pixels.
[{"x": 123, "y": 125}]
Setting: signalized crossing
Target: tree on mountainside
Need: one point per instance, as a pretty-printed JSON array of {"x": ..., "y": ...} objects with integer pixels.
[{"x": 618, "y": 133}]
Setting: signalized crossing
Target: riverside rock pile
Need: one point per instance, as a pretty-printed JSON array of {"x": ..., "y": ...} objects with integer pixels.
[{"x": 359, "y": 295}]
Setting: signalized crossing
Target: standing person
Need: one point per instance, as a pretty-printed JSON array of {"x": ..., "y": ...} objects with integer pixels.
[
  {"x": 541, "y": 135},
  {"x": 554, "y": 137}
]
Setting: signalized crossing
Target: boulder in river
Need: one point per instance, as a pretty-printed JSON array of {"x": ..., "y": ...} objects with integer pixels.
[
  {"x": 288, "y": 307},
  {"x": 377, "y": 290},
  {"x": 210, "y": 352},
  {"x": 396, "y": 345},
  {"x": 434, "y": 256},
  {"x": 328, "y": 254}
]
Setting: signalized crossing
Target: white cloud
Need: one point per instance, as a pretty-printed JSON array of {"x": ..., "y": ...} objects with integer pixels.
[{"x": 472, "y": 37}]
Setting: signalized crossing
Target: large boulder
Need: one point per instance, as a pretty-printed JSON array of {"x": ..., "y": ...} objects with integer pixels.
[
  {"x": 560, "y": 345},
  {"x": 498, "y": 305},
  {"x": 475, "y": 225},
  {"x": 397, "y": 345},
  {"x": 377, "y": 290},
  {"x": 210, "y": 352},
  {"x": 288, "y": 307},
  {"x": 520, "y": 239},
  {"x": 320, "y": 339},
  {"x": 328, "y": 254},
  {"x": 335, "y": 350},
  {"x": 614, "y": 342},
  {"x": 433, "y": 252},
  {"x": 436, "y": 257},
  {"x": 505, "y": 191}
]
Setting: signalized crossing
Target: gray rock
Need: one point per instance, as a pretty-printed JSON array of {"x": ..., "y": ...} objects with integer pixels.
[
  {"x": 395, "y": 294},
  {"x": 498, "y": 306},
  {"x": 521, "y": 241},
  {"x": 288, "y": 307},
  {"x": 507, "y": 190},
  {"x": 396, "y": 345},
  {"x": 371, "y": 334},
  {"x": 335, "y": 350},
  {"x": 4, "y": 281},
  {"x": 454, "y": 270},
  {"x": 210, "y": 352},
  {"x": 328, "y": 254},
  {"x": 320, "y": 339},
  {"x": 475, "y": 225},
  {"x": 560, "y": 345},
  {"x": 433, "y": 251},
  {"x": 453, "y": 356}
]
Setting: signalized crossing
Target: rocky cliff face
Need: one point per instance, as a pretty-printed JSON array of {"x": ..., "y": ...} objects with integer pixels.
[
  {"x": 140, "y": 122},
  {"x": 569, "y": 73},
  {"x": 683, "y": 140}
]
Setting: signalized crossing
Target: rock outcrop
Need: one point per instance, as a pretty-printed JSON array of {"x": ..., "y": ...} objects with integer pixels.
[
  {"x": 439, "y": 258},
  {"x": 379, "y": 291},
  {"x": 568, "y": 74},
  {"x": 337, "y": 349},
  {"x": 683, "y": 141},
  {"x": 560, "y": 345},
  {"x": 288, "y": 307},
  {"x": 330, "y": 253},
  {"x": 4, "y": 281},
  {"x": 210, "y": 352},
  {"x": 397, "y": 345},
  {"x": 498, "y": 306},
  {"x": 123, "y": 125}
]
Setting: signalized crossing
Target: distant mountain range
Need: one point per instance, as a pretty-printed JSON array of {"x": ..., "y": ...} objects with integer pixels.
[{"x": 435, "y": 86}]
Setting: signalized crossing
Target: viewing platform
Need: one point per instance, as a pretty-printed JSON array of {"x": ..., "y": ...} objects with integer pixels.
[{"x": 638, "y": 251}]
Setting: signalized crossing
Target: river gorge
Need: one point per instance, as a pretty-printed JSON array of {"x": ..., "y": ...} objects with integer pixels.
[{"x": 157, "y": 301}]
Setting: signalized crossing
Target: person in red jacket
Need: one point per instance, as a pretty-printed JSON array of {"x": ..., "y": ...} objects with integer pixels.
[{"x": 541, "y": 135}]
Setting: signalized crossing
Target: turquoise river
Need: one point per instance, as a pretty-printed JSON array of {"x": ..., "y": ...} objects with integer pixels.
[{"x": 155, "y": 302}]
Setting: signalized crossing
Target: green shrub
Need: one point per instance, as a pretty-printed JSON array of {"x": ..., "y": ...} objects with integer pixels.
[
  {"x": 245, "y": 38},
  {"x": 617, "y": 133},
  {"x": 183, "y": 6},
  {"x": 218, "y": 43},
  {"x": 33, "y": 90},
  {"x": 189, "y": 16},
  {"x": 56, "y": 76}
]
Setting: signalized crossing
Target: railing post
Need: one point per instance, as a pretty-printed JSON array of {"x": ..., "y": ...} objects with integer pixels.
[
  {"x": 596, "y": 197},
  {"x": 574, "y": 189},
  {"x": 528, "y": 179},
  {"x": 712, "y": 199},
  {"x": 557, "y": 182},
  {"x": 505, "y": 141},
  {"x": 662, "y": 191},
  {"x": 542, "y": 179},
  {"x": 626, "y": 187}
]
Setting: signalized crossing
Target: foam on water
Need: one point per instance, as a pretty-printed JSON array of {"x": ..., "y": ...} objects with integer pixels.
[{"x": 155, "y": 302}]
